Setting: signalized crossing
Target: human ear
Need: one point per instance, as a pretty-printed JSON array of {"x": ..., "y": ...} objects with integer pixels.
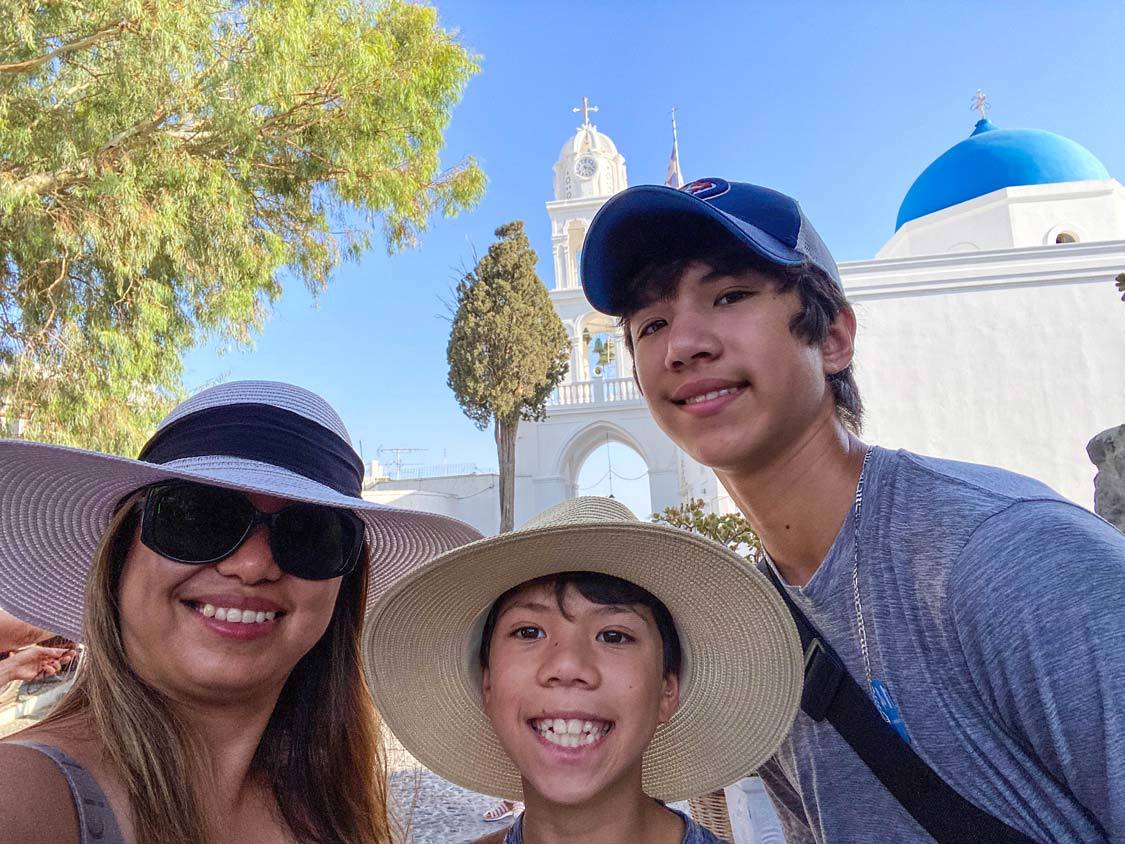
[
  {"x": 838, "y": 347},
  {"x": 485, "y": 687},
  {"x": 669, "y": 696}
]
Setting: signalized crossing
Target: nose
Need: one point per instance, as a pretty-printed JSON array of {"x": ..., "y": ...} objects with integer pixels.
[
  {"x": 569, "y": 662},
  {"x": 691, "y": 337},
  {"x": 252, "y": 561}
]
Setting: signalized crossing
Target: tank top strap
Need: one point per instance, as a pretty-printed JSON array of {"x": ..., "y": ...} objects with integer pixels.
[{"x": 96, "y": 823}]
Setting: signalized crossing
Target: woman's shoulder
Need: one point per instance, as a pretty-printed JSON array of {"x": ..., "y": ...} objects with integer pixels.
[{"x": 35, "y": 797}]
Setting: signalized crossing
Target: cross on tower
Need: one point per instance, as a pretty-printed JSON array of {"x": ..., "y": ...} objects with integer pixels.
[
  {"x": 585, "y": 108},
  {"x": 980, "y": 102}
]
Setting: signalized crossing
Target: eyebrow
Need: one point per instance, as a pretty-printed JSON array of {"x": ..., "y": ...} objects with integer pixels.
[
  {"x": 602, "y": 609},
  {"x": 534, "y": 606},
  {"x": 709, "y": 278},
  {"x": 620, "y": 609}
]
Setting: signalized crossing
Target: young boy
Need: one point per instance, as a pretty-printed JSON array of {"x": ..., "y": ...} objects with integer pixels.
[
  {"x": 977, "y": 610},
  {"x": 590, "y": 665}
]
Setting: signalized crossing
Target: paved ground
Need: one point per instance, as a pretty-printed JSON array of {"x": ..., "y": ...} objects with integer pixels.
[{"x": 433, "y": 811}]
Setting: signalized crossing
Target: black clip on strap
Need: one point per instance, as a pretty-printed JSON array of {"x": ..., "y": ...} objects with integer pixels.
[
  {"x": 831, "y": 693},
  {"x": 823, "y": 673}
]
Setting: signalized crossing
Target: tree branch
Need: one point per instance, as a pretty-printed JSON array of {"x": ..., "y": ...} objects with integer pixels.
[{"x": 80, "y": 44}]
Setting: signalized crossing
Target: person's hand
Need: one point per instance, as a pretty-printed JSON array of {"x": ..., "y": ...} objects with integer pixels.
[
  {"x": 33, "y": 662},
  {"x": 16, "y": 634}
]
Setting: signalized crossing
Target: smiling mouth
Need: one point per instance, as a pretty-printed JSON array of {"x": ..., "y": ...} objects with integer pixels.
[
  {"x": 570, "y": 732},
  {"x": 234, "y": 615},
  {"x": 713, "y": 394}
]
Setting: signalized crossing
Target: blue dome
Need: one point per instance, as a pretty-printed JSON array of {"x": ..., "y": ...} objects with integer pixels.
[{"x": 991, "y": 159}]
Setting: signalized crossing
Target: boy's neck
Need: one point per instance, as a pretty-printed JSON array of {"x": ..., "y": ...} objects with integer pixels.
[
  {"x": 615, "y": 815},
  {"x": 797, "y": 501}
]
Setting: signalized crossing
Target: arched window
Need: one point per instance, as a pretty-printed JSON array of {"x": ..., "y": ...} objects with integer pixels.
[{"x": 1066, "y": 237}]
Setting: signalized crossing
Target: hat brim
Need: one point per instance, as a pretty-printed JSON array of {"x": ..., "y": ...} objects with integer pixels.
[
  {"x": 652, "y": 223},
  {"x": 740, "y": 686},
  {"x": 56, "y": 503}
]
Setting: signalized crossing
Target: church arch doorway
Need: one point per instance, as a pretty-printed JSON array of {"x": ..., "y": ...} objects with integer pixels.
[{"x": 603, "y": 459}]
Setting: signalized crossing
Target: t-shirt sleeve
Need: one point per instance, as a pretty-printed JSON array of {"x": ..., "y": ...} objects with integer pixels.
[
  {"x": 787, "y": 802},
  {"x": 1037, "y": 599}
]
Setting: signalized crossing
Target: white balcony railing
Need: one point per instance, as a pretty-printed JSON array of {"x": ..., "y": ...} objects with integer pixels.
[{"x": 597, "y": 391}]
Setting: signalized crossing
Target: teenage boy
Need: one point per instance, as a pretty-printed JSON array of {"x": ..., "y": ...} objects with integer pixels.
[
  {"x": 975, "y": 611},
  {"x": 590, "y": 665}
]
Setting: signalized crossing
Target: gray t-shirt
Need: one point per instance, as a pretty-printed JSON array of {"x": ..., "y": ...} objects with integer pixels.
[{"x": 995, "y": 614}]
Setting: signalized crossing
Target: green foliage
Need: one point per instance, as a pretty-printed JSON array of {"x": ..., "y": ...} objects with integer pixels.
[
  {"x": 731, "y": 529},
  {"x": 166, "y": 163},
  {"x": 508, "y": 348}
]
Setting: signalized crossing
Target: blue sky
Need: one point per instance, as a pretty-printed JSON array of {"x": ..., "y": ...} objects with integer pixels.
[{"x": 840, "y": 105}]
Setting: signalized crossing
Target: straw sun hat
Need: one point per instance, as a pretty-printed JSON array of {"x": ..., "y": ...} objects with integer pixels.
[
  {"x": 255, "y": 436},
  {"x": 742, "y": 668}
]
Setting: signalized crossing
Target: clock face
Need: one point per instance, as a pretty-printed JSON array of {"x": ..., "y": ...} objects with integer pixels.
[{"x": 586, "y": 167}]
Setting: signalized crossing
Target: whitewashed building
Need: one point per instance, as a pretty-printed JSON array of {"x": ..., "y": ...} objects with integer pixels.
[{"x": 989, "y": 327}]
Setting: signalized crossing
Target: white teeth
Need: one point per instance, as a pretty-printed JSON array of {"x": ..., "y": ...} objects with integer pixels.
[
  {"x": 236, "y": 615},
  {"x": 714, "y": 394},
  {"x": 573, "y": 732}
]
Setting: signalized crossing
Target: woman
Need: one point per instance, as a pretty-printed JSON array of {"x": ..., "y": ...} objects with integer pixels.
[{"x": 227, "y": 572}]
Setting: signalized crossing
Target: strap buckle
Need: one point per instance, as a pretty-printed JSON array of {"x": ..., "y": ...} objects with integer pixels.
[{"x": 823, "y": 672}]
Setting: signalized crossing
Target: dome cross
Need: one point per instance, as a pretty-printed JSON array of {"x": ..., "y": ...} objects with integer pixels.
[
  {"x": 980, "y": 103},
  {"x": 585, "y": 108}
]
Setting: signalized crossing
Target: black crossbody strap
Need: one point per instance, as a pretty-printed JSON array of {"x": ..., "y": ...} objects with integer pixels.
[{"x": 831, "y": 693}]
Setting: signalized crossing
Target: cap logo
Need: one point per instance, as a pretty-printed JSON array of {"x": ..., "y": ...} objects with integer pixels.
[{"x": 706, "y": 188}]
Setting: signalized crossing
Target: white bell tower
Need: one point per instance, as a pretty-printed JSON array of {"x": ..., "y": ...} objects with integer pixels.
[
  {"x": 589, "y": 171},
  {"x": 598, "y": 402}
]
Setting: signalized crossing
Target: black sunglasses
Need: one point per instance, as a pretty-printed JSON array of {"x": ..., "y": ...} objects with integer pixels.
[{"x": 198, "y": 524}]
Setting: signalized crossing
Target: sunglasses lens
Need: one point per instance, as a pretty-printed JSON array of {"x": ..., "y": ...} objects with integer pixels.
[
  {"x": 316, "y": 542},
  {"x": 194, "y": 523}
]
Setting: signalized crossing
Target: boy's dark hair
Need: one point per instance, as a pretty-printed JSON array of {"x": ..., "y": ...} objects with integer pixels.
[
  {"x": 601, "y": 589},
  {"x": 821, "y": 300}
]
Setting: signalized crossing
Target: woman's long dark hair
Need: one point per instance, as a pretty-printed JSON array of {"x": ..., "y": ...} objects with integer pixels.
[{"x": 321, "y": 751}]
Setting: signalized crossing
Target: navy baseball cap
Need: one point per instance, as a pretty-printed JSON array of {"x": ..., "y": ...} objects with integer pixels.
[{"x": 651, "y": 223}]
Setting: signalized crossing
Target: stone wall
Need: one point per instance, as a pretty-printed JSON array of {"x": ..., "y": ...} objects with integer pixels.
[{"x": 1107, "y": 451}]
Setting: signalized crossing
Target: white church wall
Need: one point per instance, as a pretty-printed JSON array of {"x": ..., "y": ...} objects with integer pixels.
[
  {"x": 1014, "y": 359},
  {"x": 474, "y": 499}
]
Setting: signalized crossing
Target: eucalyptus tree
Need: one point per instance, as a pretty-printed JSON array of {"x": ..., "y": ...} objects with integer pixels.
[{"x": 166, "y": 165}]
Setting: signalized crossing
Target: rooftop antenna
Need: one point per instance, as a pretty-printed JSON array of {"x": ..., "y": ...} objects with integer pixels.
[{"x": 396, "y": 457}]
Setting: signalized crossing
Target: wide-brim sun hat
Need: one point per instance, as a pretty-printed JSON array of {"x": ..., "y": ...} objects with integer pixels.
[
  {"x": 649, "y": 224},
  {"x": 255, "y": 436},
  {"x": 740, "y": 683}
]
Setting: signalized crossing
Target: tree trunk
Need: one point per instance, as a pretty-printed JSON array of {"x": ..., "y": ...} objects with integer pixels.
[{"x": 506, "y": 458}]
